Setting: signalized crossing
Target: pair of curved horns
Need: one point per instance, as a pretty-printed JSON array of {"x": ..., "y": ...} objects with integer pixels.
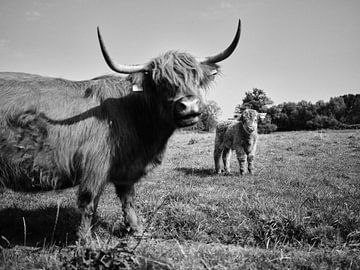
[{"x": 128, "y": 69}]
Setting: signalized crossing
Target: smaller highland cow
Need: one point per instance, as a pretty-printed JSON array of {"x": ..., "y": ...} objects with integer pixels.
[{"x": 241, "y": 136}]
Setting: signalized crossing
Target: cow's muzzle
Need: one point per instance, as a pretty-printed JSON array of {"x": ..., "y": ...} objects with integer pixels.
[
  {"x": 187, "y": 111},
  {"x": 249, "y": 128}
]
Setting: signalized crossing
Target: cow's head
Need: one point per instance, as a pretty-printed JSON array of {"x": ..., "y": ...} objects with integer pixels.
[
  {"x": 176, "y": 79},
  {"x": 249, "y": 120}
]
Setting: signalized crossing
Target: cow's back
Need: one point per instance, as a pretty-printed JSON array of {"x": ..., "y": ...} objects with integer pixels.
[
  {"x": 224, "y": 130},
  {"x": 54, "y": 97},
  {"x": 57, "y": 98}
]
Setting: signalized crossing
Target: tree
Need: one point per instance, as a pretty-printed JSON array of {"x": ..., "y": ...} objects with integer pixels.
[
  {"x": 337, "y": 108},
  {"x": 284, "y": 115},
  {"x": 209, "y": 116},
  {"x": 306, "y": 112},
  {"x": 265, "y": 126},
  {"x": 257, "y": 100},
  {"x": 339, "y": 113},
  {"x": 352, "y": 112}
]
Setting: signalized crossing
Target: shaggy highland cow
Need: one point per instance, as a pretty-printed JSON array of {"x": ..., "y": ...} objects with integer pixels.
[
  {"x": 56, "y": 133},
  {"x": 241, "y": 136}
]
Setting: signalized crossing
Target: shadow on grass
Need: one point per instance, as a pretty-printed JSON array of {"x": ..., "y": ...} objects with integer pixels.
[
  {"x": 36, "y": 227},
  {"x": 201, "y": 172}
]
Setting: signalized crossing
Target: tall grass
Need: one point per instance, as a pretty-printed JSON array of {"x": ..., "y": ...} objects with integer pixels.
[{"x": 300, "y": 210}]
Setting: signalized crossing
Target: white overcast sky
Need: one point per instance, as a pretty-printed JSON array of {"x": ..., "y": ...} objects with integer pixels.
[{"x": 293, "y": 49}]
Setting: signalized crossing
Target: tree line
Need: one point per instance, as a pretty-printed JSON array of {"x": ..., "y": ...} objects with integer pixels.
[{"x": 342, "y": 112}]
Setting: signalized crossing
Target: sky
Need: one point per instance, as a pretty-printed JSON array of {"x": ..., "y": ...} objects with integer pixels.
[{"x": 294, "y": 50}]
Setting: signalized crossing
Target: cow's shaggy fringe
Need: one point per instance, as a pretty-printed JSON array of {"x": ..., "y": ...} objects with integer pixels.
[{"x": 182, "y": 71}]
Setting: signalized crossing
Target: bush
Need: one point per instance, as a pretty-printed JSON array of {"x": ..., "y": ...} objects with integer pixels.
[
  {"x": 208, "y": 118},
  {"x": 266, "y": 128},
  {"x": 322, "y": 121}
]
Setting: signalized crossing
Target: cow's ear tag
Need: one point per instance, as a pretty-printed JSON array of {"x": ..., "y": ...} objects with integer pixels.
[{"x": 137, "y": 88}]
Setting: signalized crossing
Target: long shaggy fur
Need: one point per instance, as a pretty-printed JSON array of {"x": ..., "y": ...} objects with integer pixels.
[
  {"x": 56, "y": 133},
  {"x": 240, "y": 136},
  {"x": 181, "y": 72}
]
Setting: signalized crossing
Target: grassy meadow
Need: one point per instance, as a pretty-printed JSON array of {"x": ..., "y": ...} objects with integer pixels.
[{"x": 299, "y": 210}]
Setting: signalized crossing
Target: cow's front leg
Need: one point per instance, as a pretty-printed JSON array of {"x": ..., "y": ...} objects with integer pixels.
[
  {"x": 88, "y": 199},
  {"x": 250, "y": 160},
  {"x": 241, "y": 156},
  {"x": 127, "y": 195},
  {"x": 226, "y": 159},
  {"x": 250, "y": 157}
]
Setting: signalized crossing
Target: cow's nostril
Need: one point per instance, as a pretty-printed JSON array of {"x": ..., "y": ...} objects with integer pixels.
[{"x": 180, "y": 106}]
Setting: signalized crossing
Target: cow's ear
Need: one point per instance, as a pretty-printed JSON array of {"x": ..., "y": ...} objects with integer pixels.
[
  {"x": 213, "y": 72},
  {"x": 209, "y": 72}
]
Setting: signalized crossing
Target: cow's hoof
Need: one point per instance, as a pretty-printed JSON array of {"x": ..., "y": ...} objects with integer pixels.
[{"x": 137, "y": 232}]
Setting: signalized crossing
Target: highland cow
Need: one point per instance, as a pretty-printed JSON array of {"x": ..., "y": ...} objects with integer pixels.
[
  {"x": 241, "y": 136},
  {"x": 56, "y": 133}
]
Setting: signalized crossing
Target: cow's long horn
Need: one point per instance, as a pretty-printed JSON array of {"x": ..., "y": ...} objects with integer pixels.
[
  {"x": 226, "y": 53},
  {"x": 127, "y": 69}
]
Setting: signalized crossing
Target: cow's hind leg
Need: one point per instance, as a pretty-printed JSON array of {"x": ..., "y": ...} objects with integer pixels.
[
  {"x": 250, "y": 160},
  {"x": 217, "y": 159},
  {"x": 127, "y": 195},
  {"x": 88, "y": 199},
  {"x": 241, "y": 156},
  {"x": 226, "y": 159}
]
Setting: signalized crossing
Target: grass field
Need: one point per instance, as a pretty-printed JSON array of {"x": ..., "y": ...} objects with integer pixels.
[{"x": 300, "y": 210}]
